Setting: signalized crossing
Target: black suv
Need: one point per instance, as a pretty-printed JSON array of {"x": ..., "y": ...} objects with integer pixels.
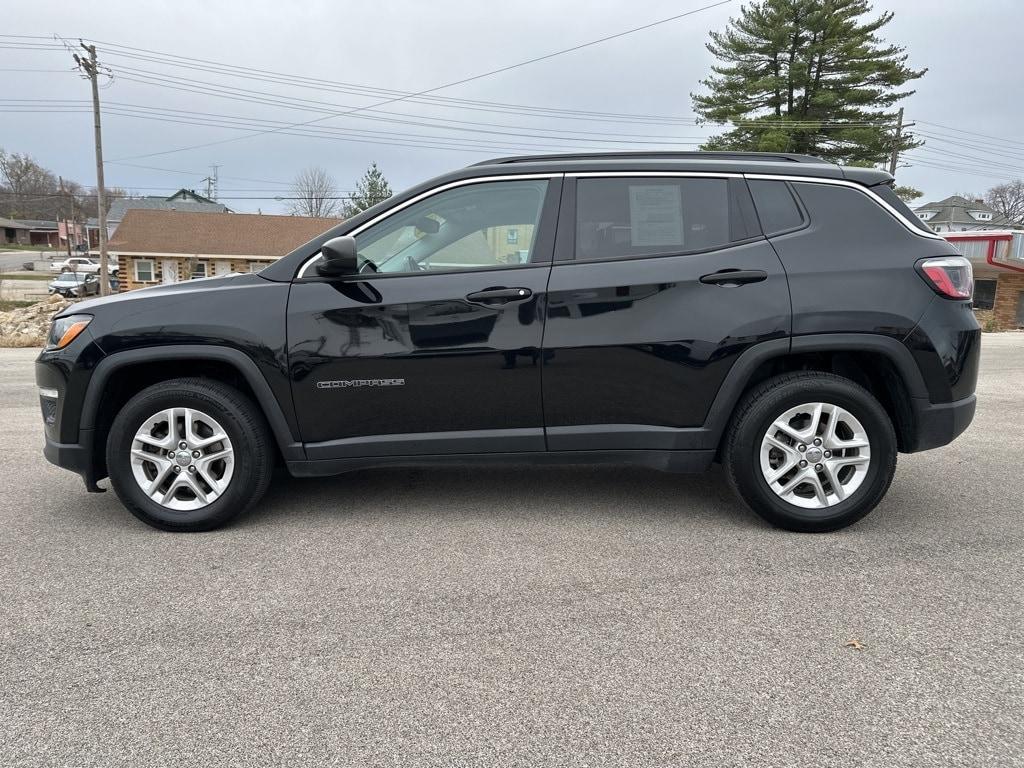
[{"x": 787, "y": 317}]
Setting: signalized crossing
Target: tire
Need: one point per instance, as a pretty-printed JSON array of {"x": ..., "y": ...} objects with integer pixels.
[
  {"x": 863, "y": 474},
  {"x": 231, "y": 474}
]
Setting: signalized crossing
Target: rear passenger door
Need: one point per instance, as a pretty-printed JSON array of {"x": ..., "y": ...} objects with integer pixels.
[{"x": 660, "y": 282}]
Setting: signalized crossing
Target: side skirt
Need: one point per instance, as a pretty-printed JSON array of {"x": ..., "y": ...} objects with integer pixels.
[{"x": 665, "y": 461}]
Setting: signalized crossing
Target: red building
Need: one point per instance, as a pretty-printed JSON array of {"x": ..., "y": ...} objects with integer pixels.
[{"x": 997, "y": 257}]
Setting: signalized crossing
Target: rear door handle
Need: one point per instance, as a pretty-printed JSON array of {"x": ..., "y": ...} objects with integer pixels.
[
  {"x": 499, "y": 295},
  {"x": 727, "y": 277}
]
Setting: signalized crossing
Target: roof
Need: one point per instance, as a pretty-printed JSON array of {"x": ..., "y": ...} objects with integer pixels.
[
  {"x": 954, "y": 210},
  {"x": 37, "y": 224},
  {"x": 12, "y": 224},
  {"x": 710, "y": 162},
  {"x": 214, "y": 234},
  {"x": 119, "y": 206},
  {"x": 785, "y": 157},
  {"x": 190, "y": 194}
]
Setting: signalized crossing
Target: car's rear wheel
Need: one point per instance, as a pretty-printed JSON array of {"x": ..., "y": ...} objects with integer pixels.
[
  {"x": 189, "y": 454},
  {"x": 810, "y": 451}
]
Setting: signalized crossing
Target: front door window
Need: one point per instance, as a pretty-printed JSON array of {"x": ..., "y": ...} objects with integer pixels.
[{"x": 478, "y": 226}]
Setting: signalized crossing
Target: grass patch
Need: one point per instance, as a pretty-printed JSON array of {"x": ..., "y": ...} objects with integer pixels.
[{"x": 40, "y": 276}]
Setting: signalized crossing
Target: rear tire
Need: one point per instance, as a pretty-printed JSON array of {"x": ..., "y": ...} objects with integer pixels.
[
  {"x": 810, "y": 452},
  {"x": 224, "y": 468}
]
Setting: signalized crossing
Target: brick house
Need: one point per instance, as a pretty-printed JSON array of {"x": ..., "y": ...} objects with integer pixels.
[
  {"x": 997, "y": 258},
  {"x": 160, "y": 246}
]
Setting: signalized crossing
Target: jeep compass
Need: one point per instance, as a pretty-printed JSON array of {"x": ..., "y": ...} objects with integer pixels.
[{"x": 787, "y": 317}]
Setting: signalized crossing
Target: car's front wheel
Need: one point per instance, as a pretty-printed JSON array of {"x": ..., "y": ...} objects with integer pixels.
[
  {"x": 189, "y": 454},
  {"x": 810, "y": 451}
]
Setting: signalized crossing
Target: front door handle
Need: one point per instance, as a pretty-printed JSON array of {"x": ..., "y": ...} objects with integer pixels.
[
  {"x": 727, "y": 277},
  {"x": 499, "y": 295}
]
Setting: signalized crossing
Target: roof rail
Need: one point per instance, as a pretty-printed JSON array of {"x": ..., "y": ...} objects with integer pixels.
[{"x": 767, "y": 157}]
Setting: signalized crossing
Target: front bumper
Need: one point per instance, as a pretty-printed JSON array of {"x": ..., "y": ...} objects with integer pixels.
[{"x": 940, "y": 424}]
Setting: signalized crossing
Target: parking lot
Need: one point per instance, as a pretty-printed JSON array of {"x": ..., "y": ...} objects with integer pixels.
[{"x": 518, "y": 617}]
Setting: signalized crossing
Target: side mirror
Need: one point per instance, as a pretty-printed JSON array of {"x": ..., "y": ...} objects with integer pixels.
[{"x": 339, "y": 257}]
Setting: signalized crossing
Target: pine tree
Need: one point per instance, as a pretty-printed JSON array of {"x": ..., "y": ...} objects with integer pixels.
[
  {"x": 807, "y": 76},
  {"x": 373, "y": 188}
]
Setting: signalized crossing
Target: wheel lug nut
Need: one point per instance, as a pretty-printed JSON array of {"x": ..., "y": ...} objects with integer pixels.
[
  {"x": 183, "y": 445},
  {"x": 803, "y": 463},
  {"x": 801, "y": 447},
  {"x": 828, "y": 454},
  {"x": 191, "y": 467},
  {"x": 817, "y": 441},
  {"x": 817, "y": 467},
  {"x": 170, "y": 454},
  {"x": 177, "y": 469},
  {"x": 196, "y": 454}
]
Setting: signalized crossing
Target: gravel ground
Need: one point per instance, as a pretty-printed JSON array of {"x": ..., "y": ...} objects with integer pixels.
[{"x": 518, "y": 618}]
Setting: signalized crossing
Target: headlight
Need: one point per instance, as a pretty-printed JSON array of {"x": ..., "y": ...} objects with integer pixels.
[{"x": 66, "y": 329}]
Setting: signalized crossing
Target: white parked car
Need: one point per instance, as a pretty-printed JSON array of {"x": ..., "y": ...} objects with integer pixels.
[{"x": 82, "y": 264}]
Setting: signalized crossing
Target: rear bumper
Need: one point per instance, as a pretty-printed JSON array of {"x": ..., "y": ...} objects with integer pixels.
[{"x": 940, "y": 424}]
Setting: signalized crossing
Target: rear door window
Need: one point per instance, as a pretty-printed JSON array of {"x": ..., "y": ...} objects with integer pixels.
[{"x": 635, "y": 217}]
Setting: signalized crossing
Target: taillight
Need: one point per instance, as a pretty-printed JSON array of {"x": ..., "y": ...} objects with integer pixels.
[{"x": 949, "y": 276}]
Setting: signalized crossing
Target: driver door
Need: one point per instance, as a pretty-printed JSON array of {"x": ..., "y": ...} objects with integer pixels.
[{"x": 434, "y": 346}]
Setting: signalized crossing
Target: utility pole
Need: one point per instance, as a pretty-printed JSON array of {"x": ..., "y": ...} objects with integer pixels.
[
  {"x": 63, "y": 214},
  {"x": 91, "y": 69},
  {"x": 894, "y": 156},
  {"x": 211, "y": 183}
]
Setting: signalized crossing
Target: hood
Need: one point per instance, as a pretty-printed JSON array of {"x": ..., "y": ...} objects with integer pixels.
[{"x": 164, "y": 291}]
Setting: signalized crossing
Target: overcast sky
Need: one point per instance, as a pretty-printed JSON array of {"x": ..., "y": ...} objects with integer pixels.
[{"x": 971, "y": 51}]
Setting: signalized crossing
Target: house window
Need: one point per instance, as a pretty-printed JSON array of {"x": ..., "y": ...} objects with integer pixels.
[
  {"x": 256, "y": 266},
  {"x": 144, "y": 271},
  {"x": 984, "y": 294},
  {"x": 199, "y": 269},
  {"x": 512, "y": 236}
]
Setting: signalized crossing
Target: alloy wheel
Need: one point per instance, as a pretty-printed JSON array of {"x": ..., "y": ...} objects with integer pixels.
[
  {"x": 182, "y": 459},
  {"x": 815, "y": 455}
]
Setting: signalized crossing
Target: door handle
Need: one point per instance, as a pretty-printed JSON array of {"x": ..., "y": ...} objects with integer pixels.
[
  {"x": 499, "y": 295},
  {"x": 733, "y": 277}
]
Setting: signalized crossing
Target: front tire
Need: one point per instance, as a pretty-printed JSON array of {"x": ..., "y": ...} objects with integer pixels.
[
  {"x": 810, "y": 452},
  {"x": 189, "y": 454}
]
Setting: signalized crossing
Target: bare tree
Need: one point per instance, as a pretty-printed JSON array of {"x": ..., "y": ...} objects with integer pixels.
[
  {"x": 29, "y": 189},
  {"x": 1008, "y": 199},
  {"x": 315, "y": 194}
]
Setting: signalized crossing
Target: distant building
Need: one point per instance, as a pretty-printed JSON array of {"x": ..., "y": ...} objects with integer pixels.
[
  {"x": 14, "y": 232},
  {"x": 960, "y": 214},
  {"x": 182, "y": 200},
  {"x": 161, "y": 246},
  {"x": 997, "y": 258}
]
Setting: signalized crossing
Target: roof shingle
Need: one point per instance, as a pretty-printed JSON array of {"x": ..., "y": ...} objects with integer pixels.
[{"x": 215, "y": 234}]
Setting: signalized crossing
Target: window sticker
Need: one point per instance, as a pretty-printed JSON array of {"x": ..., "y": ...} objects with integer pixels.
[{"x": 655, "y": 215}]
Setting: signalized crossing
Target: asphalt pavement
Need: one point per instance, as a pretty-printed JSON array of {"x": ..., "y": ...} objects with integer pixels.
[{"x": 518, "y": 617}]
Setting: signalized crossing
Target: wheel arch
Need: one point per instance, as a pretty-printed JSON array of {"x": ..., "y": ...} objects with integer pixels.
[
  {"x": 882, "y": 364},
  {"x": 142, "y": 367}
]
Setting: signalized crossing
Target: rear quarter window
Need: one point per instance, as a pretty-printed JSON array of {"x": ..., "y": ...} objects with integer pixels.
[
  {"x": 776, "y": 206},
  {"x": 888, "y": 194}
]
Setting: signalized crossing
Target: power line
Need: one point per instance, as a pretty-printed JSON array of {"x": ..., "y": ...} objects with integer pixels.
[{"x": 451, "y": 84}]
